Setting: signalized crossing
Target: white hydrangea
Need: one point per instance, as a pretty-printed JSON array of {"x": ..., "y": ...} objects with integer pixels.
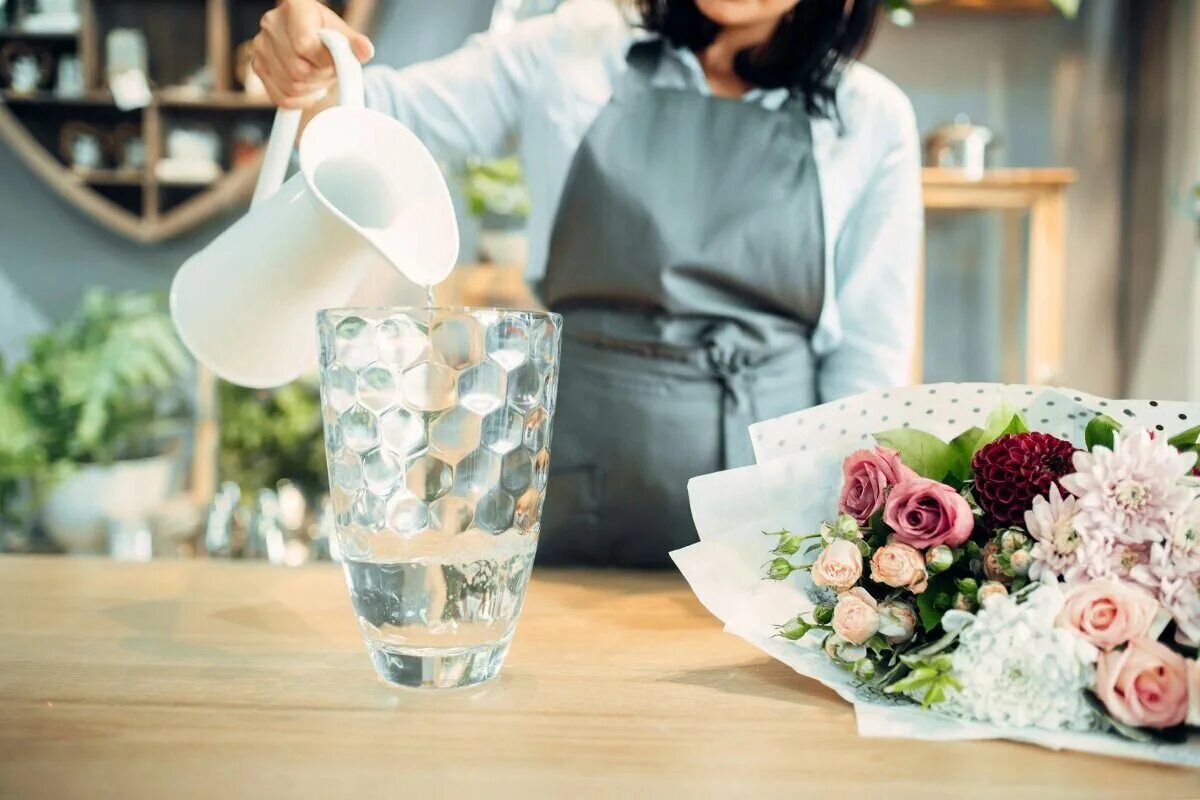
[{"x": 1018, "y": 670}]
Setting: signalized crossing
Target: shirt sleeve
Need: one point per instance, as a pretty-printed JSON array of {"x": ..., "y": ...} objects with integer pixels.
[
  {"x": 876, "y": 261},
  {"x": 470, "y": 101}
]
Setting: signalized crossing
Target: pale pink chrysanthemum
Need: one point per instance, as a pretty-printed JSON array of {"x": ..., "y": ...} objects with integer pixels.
[
  {"x": 1051, "y": 523},
  {"x": 1132, "y": 492}
]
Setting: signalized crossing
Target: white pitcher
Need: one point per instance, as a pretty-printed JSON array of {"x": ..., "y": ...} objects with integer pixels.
[{"x": 368, "y": 196}]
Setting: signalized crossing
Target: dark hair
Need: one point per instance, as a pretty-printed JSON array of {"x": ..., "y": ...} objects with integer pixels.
[{"x": 806, "y": 53}]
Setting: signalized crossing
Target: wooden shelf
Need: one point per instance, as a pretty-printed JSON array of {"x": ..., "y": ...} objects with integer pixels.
[
  {"x": 42, "y": 36},
  {"x": 984, "y": 6},
  {"x": 138, "y": 204},
  {"x": 180, "y": 97},
  {"x": 92, "y": 98},
  {"x": 110, "y": 177}
]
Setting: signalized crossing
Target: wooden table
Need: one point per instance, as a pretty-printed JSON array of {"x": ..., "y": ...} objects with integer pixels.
[{"x": 205, "y": 679}]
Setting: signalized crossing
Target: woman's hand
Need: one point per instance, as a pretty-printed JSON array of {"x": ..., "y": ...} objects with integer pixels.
[{"x": 290, "y": 59}]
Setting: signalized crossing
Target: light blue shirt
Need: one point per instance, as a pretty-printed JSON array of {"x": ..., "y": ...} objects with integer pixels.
[{"x": 545, "y": 80}]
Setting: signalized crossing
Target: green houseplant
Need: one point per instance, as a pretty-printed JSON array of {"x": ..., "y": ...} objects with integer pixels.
[
  {"x": 498, "y": 198},
  {"x": 271, "y": 435},
  {"x": 85, "y": 417}
]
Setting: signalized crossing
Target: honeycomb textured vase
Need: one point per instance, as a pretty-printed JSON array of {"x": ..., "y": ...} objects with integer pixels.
[{"x": 437, "y": 424}]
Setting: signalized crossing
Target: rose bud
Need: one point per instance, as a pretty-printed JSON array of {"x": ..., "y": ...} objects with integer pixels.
[
  {"x": 968, "y": 586},
  {"x": 789, "y": 544},
  {"x": 845, "y": 527},
  {"x": 897, "y": 621},
  {"x": 865, "y": 669},
  {"x": 990, "y": 590},
  {"x": 779, "y": 569},
  {"x": 1020, "y": 561},
  {"x": 823, "y": 614},
  {"x": 842, "y": 651},
  {"x": 794, "y": 629},
  {"x": 939, "y": 559},
  {"x": 963, "y": 602},
  {"x": 1012, "y": 539}
]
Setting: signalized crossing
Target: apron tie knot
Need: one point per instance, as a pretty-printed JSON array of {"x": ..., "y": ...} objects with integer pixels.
[{"x": 734, "y": 371}]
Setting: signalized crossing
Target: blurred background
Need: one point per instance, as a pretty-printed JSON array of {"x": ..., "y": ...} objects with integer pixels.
[{"x": 1062, "y": 144}]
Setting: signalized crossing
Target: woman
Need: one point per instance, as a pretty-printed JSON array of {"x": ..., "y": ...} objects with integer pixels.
[{"x": 726, "y": 210}]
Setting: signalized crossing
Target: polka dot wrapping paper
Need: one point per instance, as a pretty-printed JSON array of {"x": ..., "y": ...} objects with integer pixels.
[
  {"x": 947, "y": 409},
  {"x": 795, "y": 485}
]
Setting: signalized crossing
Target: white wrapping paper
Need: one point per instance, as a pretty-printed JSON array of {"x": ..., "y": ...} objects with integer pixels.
[{"x": 795, "y": 485}]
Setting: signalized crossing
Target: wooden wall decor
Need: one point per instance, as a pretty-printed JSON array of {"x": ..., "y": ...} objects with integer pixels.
[{"x": 107, "y": 162}]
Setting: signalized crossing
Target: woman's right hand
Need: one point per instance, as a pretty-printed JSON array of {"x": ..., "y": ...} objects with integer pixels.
[{"x": 290, "y": 59}]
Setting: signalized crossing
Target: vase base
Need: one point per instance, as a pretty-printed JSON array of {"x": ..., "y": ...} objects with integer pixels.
[{"x": 426, "y": 668}]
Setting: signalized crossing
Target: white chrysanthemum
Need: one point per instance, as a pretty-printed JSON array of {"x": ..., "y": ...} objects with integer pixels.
[
  {"x": 1051, "y": 523},
  {"x": 1130, "y": 493},
  {"x": 1018, "y": 670}
]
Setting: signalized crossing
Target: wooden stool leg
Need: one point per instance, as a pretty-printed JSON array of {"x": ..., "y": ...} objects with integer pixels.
[
  {"x": 1013, "y": 267},
  {"x": 1046, "y": 293}
]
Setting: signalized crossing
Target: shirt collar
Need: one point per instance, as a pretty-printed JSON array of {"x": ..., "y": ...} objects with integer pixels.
[{"x": 681, "y": 69}]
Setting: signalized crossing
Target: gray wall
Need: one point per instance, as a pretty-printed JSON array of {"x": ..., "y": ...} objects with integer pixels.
[{"x": 1054, "y": 91}]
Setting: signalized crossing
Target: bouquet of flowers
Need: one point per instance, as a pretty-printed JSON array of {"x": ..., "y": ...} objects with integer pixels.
[{"x": 1035, "y": 575}]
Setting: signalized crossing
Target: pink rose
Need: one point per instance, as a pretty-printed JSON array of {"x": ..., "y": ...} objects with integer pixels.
[
  {"x": 1108, "y": 613},
  {"x": 866, "y": 475},
  {"x": 1144, "y": 685},
  {"x": 899, "y": 565},
  {"x": 855, "y": 617},
  {"x": 1193, "y": 682},
  {"x": 839, "y": 566},
  {"x": 925, "y": 513}
]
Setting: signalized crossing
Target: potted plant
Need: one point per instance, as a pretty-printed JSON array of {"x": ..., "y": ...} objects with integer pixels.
[
  {"x": 86, "y": 418},
  {"x": 498, "y": 198},
  {"x": 271, "y": 435}
]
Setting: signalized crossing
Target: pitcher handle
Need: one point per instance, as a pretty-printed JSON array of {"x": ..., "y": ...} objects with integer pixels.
[{"x": 287, "y": 120}]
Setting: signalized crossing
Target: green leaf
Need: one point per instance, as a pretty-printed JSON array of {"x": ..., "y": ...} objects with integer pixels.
[
  {"x": 922, "y": 452},
  {"x": 928, "y": 605},
  {"x": 1100, "y": 431},
  {"x": 963, "y": 447},
  {"x": 1004, "y": 419},
  {"x": 1183, "y": 440}
]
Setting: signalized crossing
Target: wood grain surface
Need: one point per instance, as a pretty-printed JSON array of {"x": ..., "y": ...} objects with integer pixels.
[{"x": 205, "y": 679}]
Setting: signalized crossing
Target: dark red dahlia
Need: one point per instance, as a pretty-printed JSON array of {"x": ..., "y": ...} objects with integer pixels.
[{"x": 1016, "y": 468}]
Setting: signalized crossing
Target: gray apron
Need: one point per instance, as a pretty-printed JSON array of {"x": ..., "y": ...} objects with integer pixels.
[{"x": 687, "y": 259}]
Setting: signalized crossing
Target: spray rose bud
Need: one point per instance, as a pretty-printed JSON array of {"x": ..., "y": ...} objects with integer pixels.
[
  {"x": 897, "y": 621},
  {"x": 789, "y": 544},
  {"x": 823, "y": 614},
  {"x": 939, "y": 559},
  {"x": 779, "y": 568},
  {"x": 794, "y": 629},
  {"x": 865, "y": 669},
  {"x": 991, "y": 590},
  {"x": 968, "y": 586},
  {"x": 842, "y": 651},
  {"x": 845, "y": 527},
  {"x": 963, "y": 602},
  {"x": 1012, "y": 539},
  {"x": 1020, "y": 561}
]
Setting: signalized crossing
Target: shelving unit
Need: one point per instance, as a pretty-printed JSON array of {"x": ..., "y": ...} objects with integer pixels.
[
  {"x": 138, "y": 203},
  {"x": 985, "y": 6}
]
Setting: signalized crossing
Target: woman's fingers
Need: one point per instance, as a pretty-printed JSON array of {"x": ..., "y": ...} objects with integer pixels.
[
  {"x": 289, "y": 56},
  {"x": 285, "y": 90}
]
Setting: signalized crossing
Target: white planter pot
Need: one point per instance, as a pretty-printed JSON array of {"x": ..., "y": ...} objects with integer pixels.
[
  {"x": 506, "y": 247},
  {"x": 78, "y": 510}
]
